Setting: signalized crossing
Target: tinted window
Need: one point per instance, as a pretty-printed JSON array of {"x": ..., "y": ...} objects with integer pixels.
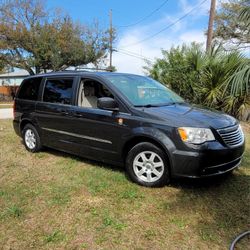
[
  {"x": 30, "y": 88},
  {"x": 58, "y": 91}
]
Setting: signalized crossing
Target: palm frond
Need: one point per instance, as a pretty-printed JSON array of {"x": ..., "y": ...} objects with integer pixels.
[
  {"x": 239, "y": 82},
  {"x": 245, "y": 15}
]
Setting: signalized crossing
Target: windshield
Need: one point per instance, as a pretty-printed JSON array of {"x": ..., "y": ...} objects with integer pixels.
[{"x": 144, "y": 91}]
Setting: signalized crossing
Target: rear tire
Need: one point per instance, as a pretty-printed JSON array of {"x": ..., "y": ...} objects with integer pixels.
[
  {"x": 31, "y": 138},
  {"x": 147, "y": 165}
]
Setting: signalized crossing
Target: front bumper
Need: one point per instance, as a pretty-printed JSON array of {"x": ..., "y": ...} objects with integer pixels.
[
  {"x": 221, "y": 169},
  {"x": 210, "y": 161}
]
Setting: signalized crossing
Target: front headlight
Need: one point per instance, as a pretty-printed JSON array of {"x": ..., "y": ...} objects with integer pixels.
[{"x": 196, "y": 135}]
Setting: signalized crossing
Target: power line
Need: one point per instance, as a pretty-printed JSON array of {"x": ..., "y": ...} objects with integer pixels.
[
  {"x": 144, "y": 18},
  {"x": 169, "y": 26},
  {"x": 134, "y": 55}
]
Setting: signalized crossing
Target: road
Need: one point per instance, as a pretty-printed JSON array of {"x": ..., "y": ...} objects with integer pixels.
[{"x": 6, "y": 113}]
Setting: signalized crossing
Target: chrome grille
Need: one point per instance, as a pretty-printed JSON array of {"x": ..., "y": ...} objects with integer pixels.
[{"x": 232, "y": 136}]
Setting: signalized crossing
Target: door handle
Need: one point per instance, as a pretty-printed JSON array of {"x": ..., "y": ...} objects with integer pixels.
[
  {"x": 78, "y": 115},
  {"x": 64, "y": 112}
]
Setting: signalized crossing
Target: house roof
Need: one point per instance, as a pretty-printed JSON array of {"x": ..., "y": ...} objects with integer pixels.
[{"x": 15, "y": 74}]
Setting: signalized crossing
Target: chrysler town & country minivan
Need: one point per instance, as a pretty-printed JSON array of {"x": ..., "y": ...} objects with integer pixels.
[{"x": 127, "y": 120}]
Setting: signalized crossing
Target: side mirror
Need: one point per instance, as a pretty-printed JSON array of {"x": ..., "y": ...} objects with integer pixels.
[{"x": 107, "y": 103}]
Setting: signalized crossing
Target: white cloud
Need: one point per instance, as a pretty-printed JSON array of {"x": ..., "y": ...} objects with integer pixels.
[
  {"x": 129, "y": 41},
  {"x": 193, "y": 35},
  {"x": 202, "y": 10},
  {"x": 128, "y": 59},
  {"x": 150, "y": 49},
  {"x": 184, "y": 5}
]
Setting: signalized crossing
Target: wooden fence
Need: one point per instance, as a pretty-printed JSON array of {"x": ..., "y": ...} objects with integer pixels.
[{"x": 7, "y": 93}]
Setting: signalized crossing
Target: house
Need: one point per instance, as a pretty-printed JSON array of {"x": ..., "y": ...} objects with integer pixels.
[
  {"x": 9, "y": 83},
  {"x": 13, "y": 78}
]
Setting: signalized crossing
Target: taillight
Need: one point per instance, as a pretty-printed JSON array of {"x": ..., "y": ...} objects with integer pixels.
[{"x": 14, "y": 108}]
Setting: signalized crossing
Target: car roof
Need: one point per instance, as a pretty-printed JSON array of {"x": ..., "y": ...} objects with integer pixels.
[{"x": 79, "y": 73}]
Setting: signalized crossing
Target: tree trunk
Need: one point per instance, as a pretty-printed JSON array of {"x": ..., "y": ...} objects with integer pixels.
[
  {"x": 38, "y": 69},
  {"x": 30, "y": 70}
]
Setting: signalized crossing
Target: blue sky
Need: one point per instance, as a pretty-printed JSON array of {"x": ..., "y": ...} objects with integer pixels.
[{"x": 190, "y": 28}]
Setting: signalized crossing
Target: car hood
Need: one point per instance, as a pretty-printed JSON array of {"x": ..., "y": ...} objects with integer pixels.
[{"x": 192, "y": 116}]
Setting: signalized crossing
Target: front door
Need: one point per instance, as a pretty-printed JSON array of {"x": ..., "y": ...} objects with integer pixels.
[{"x": 102, "y": 131}]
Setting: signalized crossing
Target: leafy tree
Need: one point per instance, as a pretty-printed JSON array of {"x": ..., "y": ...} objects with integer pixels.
[
  {"x": 245, "y": 15},
  {"x": 30, "y": 39},
  {"x": 175, "y": 70},
  {"x": 217, "y": 79},
  {"x": 111, "y": 69},
  {"x": 2, "y": 66},
  {"x": 237, "y": 91},
  {"x": 237, "y": 86},
  {"x": 232, "y": 24}
]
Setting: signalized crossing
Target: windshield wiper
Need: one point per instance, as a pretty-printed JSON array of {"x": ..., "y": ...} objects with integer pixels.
[
  {"x": 171, "y": 103},
  {"x": 146, "y": 106},
  {"x": 157, "y": 105}
]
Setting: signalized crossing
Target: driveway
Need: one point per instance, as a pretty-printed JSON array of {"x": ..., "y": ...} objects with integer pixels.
[{"x": 6, "y": 113}]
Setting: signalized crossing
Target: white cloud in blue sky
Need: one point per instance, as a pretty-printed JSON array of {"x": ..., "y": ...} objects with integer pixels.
[
  {"x": 185, "y": 31},
  {"x": 191, "y": 28}
]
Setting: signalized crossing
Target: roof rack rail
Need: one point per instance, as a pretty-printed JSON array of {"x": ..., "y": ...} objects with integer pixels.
[{"x": 92, "y": 69}]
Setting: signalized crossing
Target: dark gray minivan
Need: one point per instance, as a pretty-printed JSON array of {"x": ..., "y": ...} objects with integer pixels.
[{"x": 128, "y": 120}]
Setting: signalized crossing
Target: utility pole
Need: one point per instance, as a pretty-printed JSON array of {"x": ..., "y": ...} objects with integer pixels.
[
  {"x": 210, "y": 25},
  {"x": 110, "y": 39}
]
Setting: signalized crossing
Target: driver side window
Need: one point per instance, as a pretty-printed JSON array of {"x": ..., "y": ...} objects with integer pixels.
[{"x": 90, "y": 91}]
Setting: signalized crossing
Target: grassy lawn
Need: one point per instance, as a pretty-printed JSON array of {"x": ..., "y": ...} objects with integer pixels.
[{"x": 52, "y": 200}]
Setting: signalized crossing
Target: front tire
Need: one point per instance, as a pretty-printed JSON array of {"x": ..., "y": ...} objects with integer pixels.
[
  {"x": 147, "y": 165},
  {"x": 31, "y": 138}
]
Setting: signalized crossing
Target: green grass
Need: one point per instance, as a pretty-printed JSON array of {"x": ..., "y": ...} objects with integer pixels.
[
  {"x": 13, "y": 211},
  {"x": 52, "y": 200},
  {"x": 55, "y": 236}
]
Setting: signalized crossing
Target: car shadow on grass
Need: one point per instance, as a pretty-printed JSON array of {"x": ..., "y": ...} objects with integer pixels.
[
  {"x": 183, "y": 183},
  {"x": 221, "y": 204},
  {"x": 83, "y": 160}
]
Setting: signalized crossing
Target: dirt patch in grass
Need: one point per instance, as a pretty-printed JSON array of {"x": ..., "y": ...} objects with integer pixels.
[
  {"x": 51, "y": 200},
  {"x": 246, "y": 126}
]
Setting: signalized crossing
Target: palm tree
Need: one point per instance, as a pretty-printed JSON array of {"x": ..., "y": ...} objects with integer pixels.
[
  {"x": 238, "y": 84},
  {"x": 237, "y": 91},
  {"x": 217, "y": 79},
  {"x": 245, "y": 15}
]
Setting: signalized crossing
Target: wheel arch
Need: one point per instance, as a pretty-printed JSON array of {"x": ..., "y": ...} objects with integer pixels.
[
  {"x": 144, "y": 138},
  {"x": 24, "y": 122},
  {"x": 38, "y": 144}
]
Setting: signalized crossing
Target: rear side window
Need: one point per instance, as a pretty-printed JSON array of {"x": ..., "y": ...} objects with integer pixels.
[
  {"x": 30, "y": 89},
  {"x": 58, "y": 91}
]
